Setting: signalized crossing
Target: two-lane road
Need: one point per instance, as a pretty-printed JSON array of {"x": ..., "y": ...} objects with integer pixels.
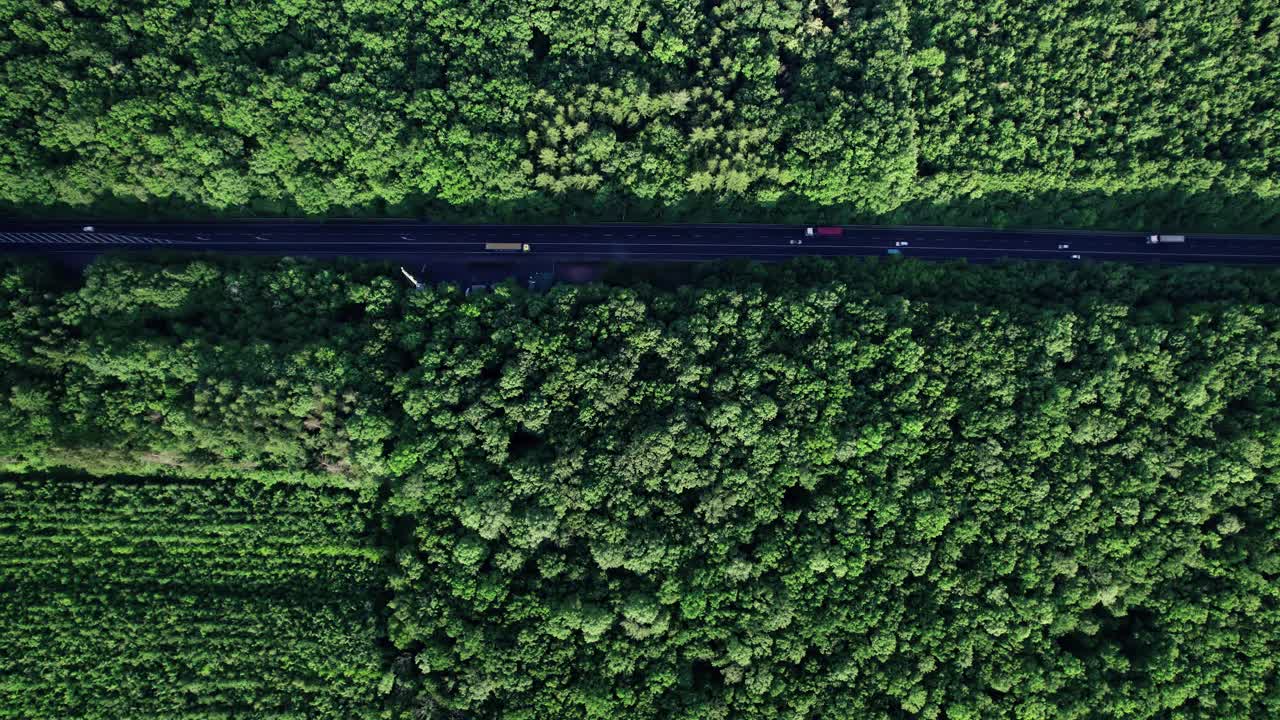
[{"x": 417, "y": 244}]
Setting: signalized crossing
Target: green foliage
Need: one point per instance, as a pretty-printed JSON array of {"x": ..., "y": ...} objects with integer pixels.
[
  {"x": 127, "y": 599},
  {"x": 1072, "y": 111},
  {"x": 27, "y": 322},
  {"x": 847, "y": 490},
  {"x": 820, "y": 489},
  {"x": 201, "y": 367}
]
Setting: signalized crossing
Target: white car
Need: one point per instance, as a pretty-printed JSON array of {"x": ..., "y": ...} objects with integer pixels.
[
  {"x": 87, "y": 228},
  {"x": 901, "y": 243},
  {"x": 1075, "y": 257},
  {"x": 1063, "y": 247},
  {"x": 795, "y": 241}
]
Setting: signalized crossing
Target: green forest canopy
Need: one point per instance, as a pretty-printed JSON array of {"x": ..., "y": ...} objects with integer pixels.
[
  {"x": 1132, "y": 114},
  {"x": 826, "y": 489}
]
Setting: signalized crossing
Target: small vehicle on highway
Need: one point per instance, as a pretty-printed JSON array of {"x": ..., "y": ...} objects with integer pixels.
[
  {"x": 893, "y": 251},
  {"x": 901, "y": 243},
  {"x": 87, "y": 228},
  {"x": 795, "y": 241},
  {"x": 1064, "y": 246},
  {"x": 1075, "y": 257},
  {"x": 506, "y": 247}
]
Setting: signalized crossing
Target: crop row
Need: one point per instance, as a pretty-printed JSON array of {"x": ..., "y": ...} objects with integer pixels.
[
  {"x": 129, "y": 599},
  {"x": 129, "y": 655}
]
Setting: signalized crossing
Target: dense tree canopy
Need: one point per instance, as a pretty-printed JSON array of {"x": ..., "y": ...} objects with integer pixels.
[
  {"x": 807, "y": 500},
  {"x": 201, "y": 368},
  {"x": 1074, "y": 111},
  {"x": 828, "y": 489}
]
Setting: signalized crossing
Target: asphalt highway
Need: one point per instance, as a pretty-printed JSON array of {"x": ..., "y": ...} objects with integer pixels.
[{"x": 417, "y": 244}]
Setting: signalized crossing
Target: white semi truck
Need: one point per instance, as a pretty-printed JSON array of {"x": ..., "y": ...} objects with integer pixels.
[{"x": 1163, "y": 239}]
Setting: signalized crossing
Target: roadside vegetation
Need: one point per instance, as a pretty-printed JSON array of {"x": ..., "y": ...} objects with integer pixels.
[
  {"x": 1088, "y": 113},
  {"x": 824, "y": 489}
]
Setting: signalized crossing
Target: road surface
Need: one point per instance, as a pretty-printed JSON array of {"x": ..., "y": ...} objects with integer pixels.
[{"x": 419, "y": 245}]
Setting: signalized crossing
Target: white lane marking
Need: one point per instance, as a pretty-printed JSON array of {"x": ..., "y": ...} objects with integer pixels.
[
  {"x": 1143, "y": 251},
  {"x": 591, "y": 248}
]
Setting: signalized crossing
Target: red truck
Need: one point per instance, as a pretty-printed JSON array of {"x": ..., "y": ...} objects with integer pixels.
[{"x": 823, "y": 231}]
